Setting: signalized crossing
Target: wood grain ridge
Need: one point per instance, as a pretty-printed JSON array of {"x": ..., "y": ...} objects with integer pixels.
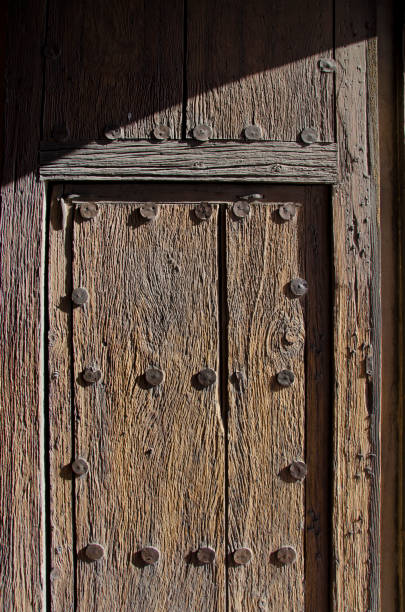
[{"x": 279, "y": 162}]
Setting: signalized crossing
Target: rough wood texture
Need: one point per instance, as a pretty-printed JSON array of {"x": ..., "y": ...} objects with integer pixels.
[
  {"x": 266, "y": 423},
  {"x": 357, "y": 318},
  {"x": 113, "y": 63},
  {"x": 257, "y": 62},
  {"x": 279, "y": 162},
  {"x": 21, "y": 495},
  {"x": 156, "y": 455},
  {"x": 59, "y": 414}
]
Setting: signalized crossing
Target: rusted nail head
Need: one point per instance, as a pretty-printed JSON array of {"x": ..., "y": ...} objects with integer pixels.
[
  {"x": 89, "y": 210},
  {"x": 202, "y": 132},
  {"x": 299, "y": 286},
  {"x": 253, "y": 132},
  {"x": 113, "y": 132},
  {"x": 285, "y": 378},
  {"x": 149, "y": 211},
  {"x": 298, "y": 470},
  {"x": 80, "y": 295},
  {"x": 94, "y": 551},
  {"x": 80, "y": 466},
  {"x": 203, "y": 211},
  {"x": 242, "y": 556},
  {"x": 161, "y": 132},
  {"x": 92, "y": 375},
  {"x": 150, "y": 555},
  {"x": 206, "y": 555},
  {"x": 287, "y": 212},
  {"x": 154, "y": 376},
  {"x": 241, "y": 209},
  {"x": 206, "y": 377},
  {"x": 309, "y": 136},
  {"x": 327, "y": 64},
  {"x": 286, "y": 555}
]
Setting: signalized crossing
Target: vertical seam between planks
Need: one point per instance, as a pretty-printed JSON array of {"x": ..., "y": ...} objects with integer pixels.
[
  {"x": 223, "y": 366},
  {"x": 185, "y": 90},
  {"x": 44, "y": 411}
]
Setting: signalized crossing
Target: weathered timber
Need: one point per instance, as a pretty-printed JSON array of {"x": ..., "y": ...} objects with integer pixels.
[
  {"x": 281, "y": 162},
  {"x": 113, "y": 64},
  {"x": 59, "y": 370},
  {"x": 22, "y": 577},
  {"x": 357, "y": 318},
  {"x": 256, "y": 62},
  {"x": 270, "y": 426},
  {"x": 156, "y": 454}
]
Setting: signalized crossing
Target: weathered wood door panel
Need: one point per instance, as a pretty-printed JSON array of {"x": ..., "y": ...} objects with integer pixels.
[{"x": 178, "y": 466}]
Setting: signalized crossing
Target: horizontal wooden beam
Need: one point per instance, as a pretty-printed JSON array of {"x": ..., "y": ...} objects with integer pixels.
[{"x": 278, "y": 162}]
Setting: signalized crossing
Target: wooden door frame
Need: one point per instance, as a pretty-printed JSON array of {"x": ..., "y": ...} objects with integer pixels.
[{"x": 357, "y": 320}]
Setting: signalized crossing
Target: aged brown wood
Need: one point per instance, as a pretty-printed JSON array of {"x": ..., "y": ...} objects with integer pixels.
[
  {"x": 21, "y": 486},
  {"x": 156, "y": 474},
  {"x": 357, "y": 317},
  {"x": 59, "y": 415},
  {"x": 113, "y": 64},
  {"x": 257, "y": 63},
  {"x": 279, "y": 162},
  {"x": 267, "y": 423}
]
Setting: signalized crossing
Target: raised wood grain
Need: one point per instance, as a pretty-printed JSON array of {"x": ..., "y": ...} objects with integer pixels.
[
  {"x": 266, "y": 423},
  {"x": 279, "y": 162},
  {"x": 113, "y": 64},
  {"x": 357, "y": 318},
  {"x": 61, "y": 511},
  {"x": 22, "y": 570},
  {"x": 257, "y": 62},
  {"x": 156, "y": 456}
]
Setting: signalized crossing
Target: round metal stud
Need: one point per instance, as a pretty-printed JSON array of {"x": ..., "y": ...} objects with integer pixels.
[
  {"x": 89, "y": 210},
  {"x": 80, "y": 296},
  {"x": 285, "y": 378},
  {"x": 202, "y": 132},
  {"x": 286, "y": 555},
  {"x": 154, "y": 376},
  {"x": 150, "y": 555},
  {"x": 299, "y": 286},
  {"x": 253, "y": 132},
  {"x": 94, "y": 551},
  {"x": 241, "y": 209},
  {"x": 113, "y": 132},
  {"x": 242, "y": 556},
  {"x": 80, "y": 467},
  {"x": 161, "y": 132},
  {"x": 287, "y": 212},
  {"x": 92, "y": 375},
  {"x": 309, "y": 136},
  {"x": 149, "y": 212},
  {"x": 327, "y": 64},
  {"x": 203, "y": 211},
  {"x": 206, "y": 555},
  {"x": 206, "y": 377},
  {"x": 298, "y": 470}
]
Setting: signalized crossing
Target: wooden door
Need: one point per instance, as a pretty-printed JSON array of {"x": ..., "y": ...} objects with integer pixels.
[{"x": 189, "y": 398}]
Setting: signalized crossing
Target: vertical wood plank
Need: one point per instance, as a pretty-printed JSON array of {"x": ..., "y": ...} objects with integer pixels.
[
  {"x": 156, "y": 455},
  {"x": 257, "y": 63},
  {"x": 266, "y": 423},
  {"x": 357, "y": 324},
  {"x": 21, "y": 494},
  {"x": 60, "y": 406},
  {"x": 318, "y": 352},
  {"x": 113, "y": 64}
]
